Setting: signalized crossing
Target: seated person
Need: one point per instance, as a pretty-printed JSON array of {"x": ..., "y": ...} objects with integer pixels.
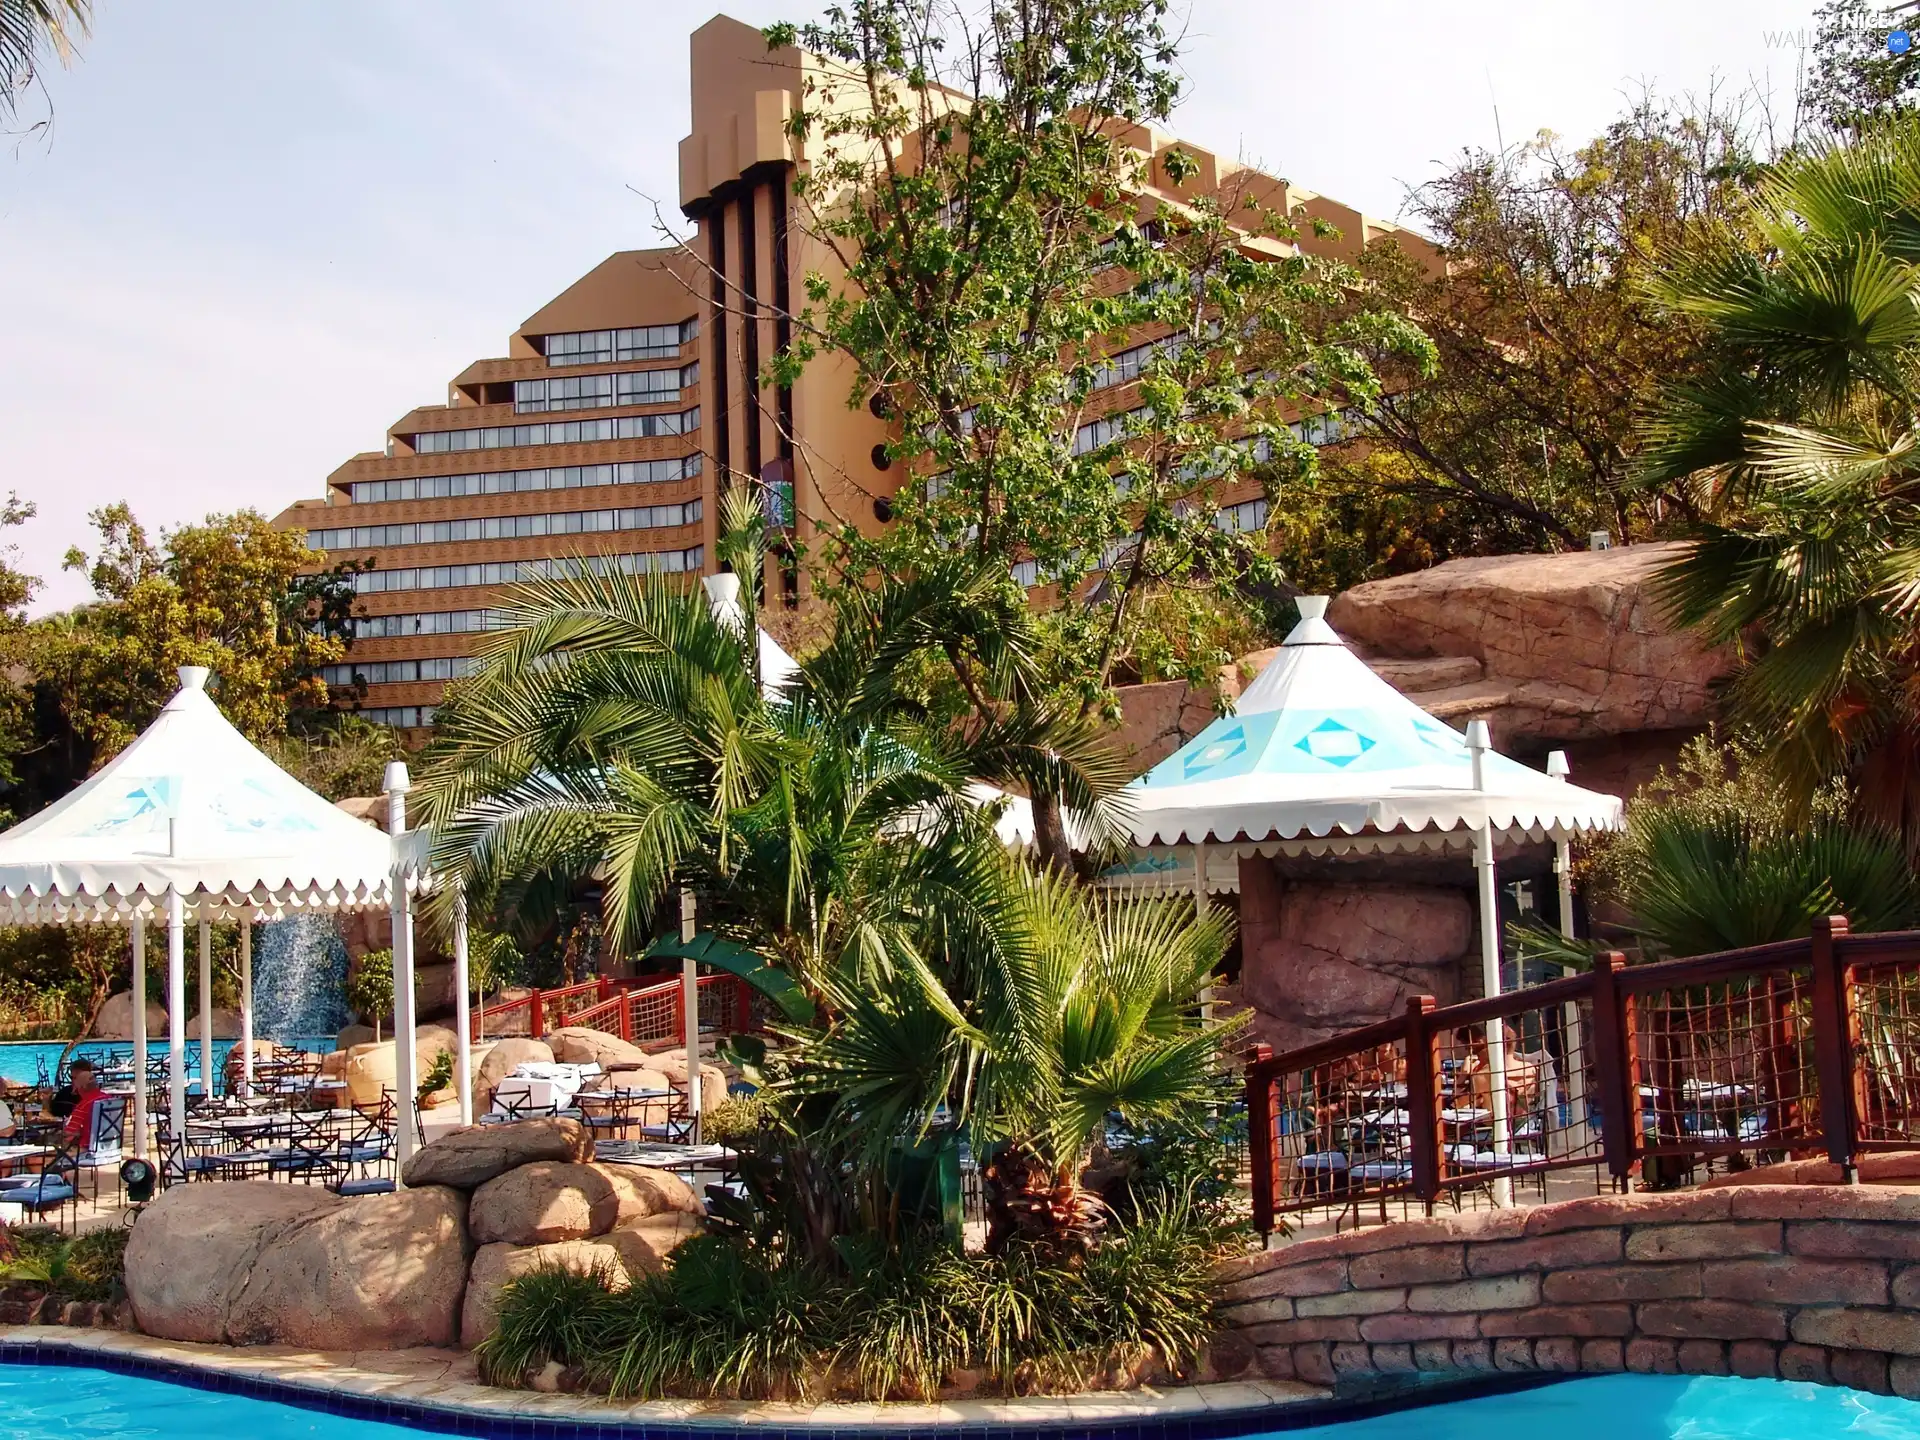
[
  {"x": 68, "y": 1095},
  {"x": 6, "y": 1121},
  {"x": 86, "y": 1094}
]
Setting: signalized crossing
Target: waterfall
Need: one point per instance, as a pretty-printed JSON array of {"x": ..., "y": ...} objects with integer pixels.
[{"x": 299, "y": 978}]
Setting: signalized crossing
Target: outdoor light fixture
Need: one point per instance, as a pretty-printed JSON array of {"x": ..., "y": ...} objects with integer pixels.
[{"x": 138, "y": 1177}]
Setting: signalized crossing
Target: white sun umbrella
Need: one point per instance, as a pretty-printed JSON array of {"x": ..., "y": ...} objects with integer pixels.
[
  {"x": 190, "y": 816},
  {"x": 1322, "y": 756}
]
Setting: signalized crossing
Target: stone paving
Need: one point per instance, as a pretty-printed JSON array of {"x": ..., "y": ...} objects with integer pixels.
[{"x": 446, "y": 1379}]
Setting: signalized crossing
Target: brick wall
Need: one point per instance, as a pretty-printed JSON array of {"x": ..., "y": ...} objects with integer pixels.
[{"x": 1801, "y": 1282}]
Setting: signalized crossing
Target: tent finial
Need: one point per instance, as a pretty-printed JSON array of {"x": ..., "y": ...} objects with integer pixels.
[
  {"x": 1311, "y": 607},
  {"x": 194, "y": 677}
]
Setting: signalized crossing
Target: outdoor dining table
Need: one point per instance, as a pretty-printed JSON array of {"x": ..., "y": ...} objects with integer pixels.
[
  {"x": 649, "y": 1155},
  {"x": 12, "y": 1157}
]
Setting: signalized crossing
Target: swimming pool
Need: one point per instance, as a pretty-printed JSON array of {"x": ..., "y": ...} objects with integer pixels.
[
  {"x": 55, "y": 1402},
  {"x": 21, "y": 1061}
]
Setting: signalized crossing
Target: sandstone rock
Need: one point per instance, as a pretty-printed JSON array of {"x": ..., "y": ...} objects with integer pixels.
[
  {"x": 1321, "y": 958},
  {"x": 512, "y": 1021},
  {"x": 471, "y": 1157},
  {"x": 1572, "y": 646},
  {"x": 369, "y": 1069},
  {"x": 642, "y": 1194},
  {"x": 673, "y": 1064},
  {"x": 433, "y": 990},
  {"x": 621, "y": 1255},
  {"x": 226, "y": 1025},
  {"x": 1157, "y": 719},
  {"x": 502, "y": 1058},
  {"x": 382, "y": 1272},
  {"x": 573, "y": 1046},
  {"x": 115, "y": 1021},
  {"x": 189, "y": 1258},
  {"x": 543, "y": 1202}
]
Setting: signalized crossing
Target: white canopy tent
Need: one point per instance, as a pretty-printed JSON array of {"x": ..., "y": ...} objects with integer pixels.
[
  {"x": 191, "y": 818},
  {"x": 1323, "y": 757}
]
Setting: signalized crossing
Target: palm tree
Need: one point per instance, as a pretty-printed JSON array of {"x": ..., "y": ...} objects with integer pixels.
[
  {"x": 29, "y": 29},
  {"x": 1801, "y": 452},
  {"x": 1087, "y": 1005}
]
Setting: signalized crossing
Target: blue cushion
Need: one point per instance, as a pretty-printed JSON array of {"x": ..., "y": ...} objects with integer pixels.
[
  {"x": 371, "y": 1186},
  {"x": 42, "y": 1196}
]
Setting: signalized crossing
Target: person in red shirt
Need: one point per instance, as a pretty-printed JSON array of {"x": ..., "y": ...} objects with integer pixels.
[{"x": 86, "y": 1094}]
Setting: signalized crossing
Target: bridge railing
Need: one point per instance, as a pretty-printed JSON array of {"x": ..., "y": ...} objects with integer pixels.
[
  {"x": 1805, "y": 1046},
  {"x": 647, "y": 1015}
]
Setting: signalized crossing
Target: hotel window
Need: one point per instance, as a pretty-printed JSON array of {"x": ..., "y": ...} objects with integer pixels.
[
  {"x": 510, "y": 572},
  {"x": 1247, "y": 515},
  {"x": 400, "y": 672},
  {"x": 557, "y": 432},
  {"x": 401, "y": 717},
  {"x": 509, "y": 482},
  {"x": 1125, "y": 365},
  {"x": 431, "y": 622},
  {"x": 506, "y": 527},
  {"x": 1095, "y": 433},
  {"x": 598, "y": 347},
  {"x": 593, "y": 392}
]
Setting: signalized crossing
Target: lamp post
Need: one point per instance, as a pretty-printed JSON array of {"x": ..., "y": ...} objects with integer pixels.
[
  {"x": 1479, "y": 741},
  {"x": 140, "y": 1119}
]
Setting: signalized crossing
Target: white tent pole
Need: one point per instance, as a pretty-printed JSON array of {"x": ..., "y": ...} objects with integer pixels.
[
  {"x": 1200, "y": 916},
  {"x": 1575, "y": 1060},
  {"x": 140, "y": 1123},
  {"x": 1479, "y": 741},
  {"x": 246, "y": 1006},
  {"x": 176, "y": 1014},
  {"x": 690, "y": 1001},
  {"x": 206, "y": 1005},
  {"x": 462, "y": 1013},
  {"x": 397, "y": 785}
]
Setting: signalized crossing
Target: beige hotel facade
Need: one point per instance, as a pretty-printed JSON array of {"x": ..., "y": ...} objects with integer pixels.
[{"x": 626, "y": 405}]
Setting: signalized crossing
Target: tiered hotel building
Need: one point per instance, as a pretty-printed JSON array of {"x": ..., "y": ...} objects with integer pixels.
[{"x": 625, "y": 406}]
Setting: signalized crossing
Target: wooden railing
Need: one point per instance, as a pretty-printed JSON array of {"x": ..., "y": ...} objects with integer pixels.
[
  {"x": 1805, "y": 1046},
  {"x": 643, "y": 1015}
]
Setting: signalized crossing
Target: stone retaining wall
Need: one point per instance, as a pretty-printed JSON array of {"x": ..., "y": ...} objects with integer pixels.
[{"x": 1800, "y": 1282}]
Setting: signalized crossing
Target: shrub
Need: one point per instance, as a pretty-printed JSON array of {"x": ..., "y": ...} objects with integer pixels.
[
  {"x": 88, "y": 1267},
  {"x": 729, "y": 1318}
]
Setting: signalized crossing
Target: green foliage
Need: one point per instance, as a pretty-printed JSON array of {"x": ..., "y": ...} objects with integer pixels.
[
  {"x": 1001, "y": 240},
  {"x": 1717, "y": 856},
  {"x": 1854, "y": 80},
  {"x": 87, "y": 1267},
  {"x": 728, "y": 1319},
  {"x": 438, "y": 1077},
  {"x": 338, "y": 755},
  {"x": 370, "y": 988}
]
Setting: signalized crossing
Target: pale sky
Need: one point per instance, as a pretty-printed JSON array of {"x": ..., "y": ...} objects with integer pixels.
[{"x": 256, "y": 234}]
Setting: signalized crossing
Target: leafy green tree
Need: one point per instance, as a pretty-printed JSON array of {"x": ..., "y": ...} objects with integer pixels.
[
  {"x": 370, "y": 989},
  {"x": 1855, "y": 79},
  {"x": 981, "y": 190},
  {"x": 1524, "y": 438}
]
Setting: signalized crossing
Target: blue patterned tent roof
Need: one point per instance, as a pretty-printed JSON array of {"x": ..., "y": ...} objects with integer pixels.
[{"x": 1321, "y": 746}]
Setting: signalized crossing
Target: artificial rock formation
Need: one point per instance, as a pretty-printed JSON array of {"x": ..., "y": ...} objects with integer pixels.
[
  {"x": 257, "y": 1263},
  {"x": 1320, "y": 958},
  {"x": 621, "y": 1255},
  {"x": 501, "y": 1059},
  {"x": 544, "y": 1202},
  {"x": 115, "y": 1021},
  {"x": 580, "y": 1046},
  {"x": 467, "y": 1159}
]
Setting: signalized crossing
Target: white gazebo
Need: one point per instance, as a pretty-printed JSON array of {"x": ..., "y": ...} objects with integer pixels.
[
  {"x": 191, "y": 819},
  {"x": 1323, "y": 757}
]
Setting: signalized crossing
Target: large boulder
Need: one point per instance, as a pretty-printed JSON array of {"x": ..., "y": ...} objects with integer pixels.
[
  {"x": 1566, "y": 647},
  {"x": 502, "y": 1058},
  {"x": 621, "y": 1256},
  {"x": 383, "y": 1272},
  {"x": 543, "y": 1202},
  {"x": 115, "y": 1020},
  {"x": 471, "y": 1157},
  {"x": 226, "y": 1025},
  {"x": 643, "y": 1194},
  {"x": 369, "y": 1069},
  {"x": 190, "y": 1256},
  {"x": 1322, "y": 957},
  {"x": 673, "y": 1064},
  {"x": 576, "y": 1046}
]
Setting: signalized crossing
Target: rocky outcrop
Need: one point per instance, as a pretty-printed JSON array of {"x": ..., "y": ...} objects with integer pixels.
[
  {"x": 1320, "y": 958},
  {"x": 189, "y": 1258},
  {"x": 226, "y": 1025},
  {"x": 620, "y": 1256},
  {"x": 383, "y": 1272},
  {"x": 1157, "y": 719},
  {"x": 544, "y": 1202},
  {"x": 503, "y": 1057},
  {"x": 580, "y": 1046},
  {"x": 466, "y": 1159},
  {"x": 369, "y": 1069},
  {"x": 115, "y": 1020},
  {"x": 673, "y": 1065},
  {"x": 643, "y": 1194},
  {"x": 1550, "y": 649}
]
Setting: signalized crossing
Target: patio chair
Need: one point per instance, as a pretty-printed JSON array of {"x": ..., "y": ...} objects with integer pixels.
[
  {"x": 677, "y": 1127},
  {"x": 368, "y": 1144},
  {"x": 617, "y": 1115},
  {"x": 54, "y": 1189}
]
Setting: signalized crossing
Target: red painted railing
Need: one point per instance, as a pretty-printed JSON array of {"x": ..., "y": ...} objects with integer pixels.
[
  {"x": 1805, "y": 1046},
  {"x": 644, "y": 1015}
]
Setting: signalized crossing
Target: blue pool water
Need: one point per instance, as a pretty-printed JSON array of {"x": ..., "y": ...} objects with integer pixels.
[
  {"x": 60, "y": 1403},
  {"x": 1646, "y": 1407},
  {"x": 21, "y": 1060}
]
